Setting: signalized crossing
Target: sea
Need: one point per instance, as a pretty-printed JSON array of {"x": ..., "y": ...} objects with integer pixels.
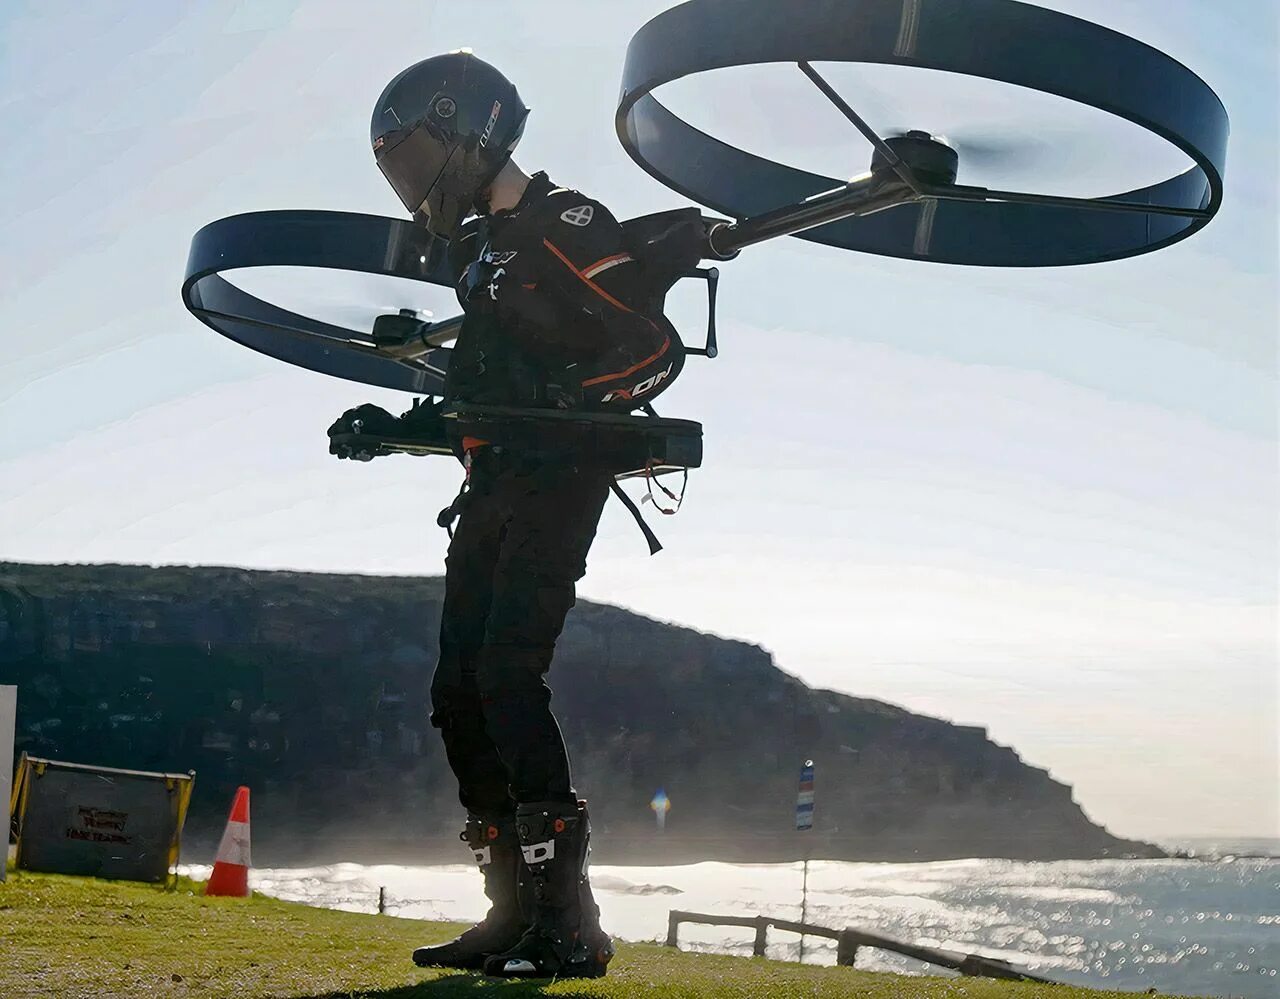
[{"x": 1208, "y": 926}]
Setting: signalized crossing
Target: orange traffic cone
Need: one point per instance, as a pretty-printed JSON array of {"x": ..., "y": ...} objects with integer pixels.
[{"x": 231, "y": 867}]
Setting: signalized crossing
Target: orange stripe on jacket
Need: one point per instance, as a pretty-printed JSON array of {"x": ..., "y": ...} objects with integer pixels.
[
  {"x": 586, "y": 280},
  {"x": 666, "y": 343}
]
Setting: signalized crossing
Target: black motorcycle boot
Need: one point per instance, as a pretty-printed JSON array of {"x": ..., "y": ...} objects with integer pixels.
[
  {"x": 497, "y": 851},
  {"x": 564, "y": 939},
  {"x": 594, "y": 950}
]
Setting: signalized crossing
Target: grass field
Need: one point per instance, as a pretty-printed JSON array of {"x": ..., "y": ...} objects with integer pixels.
[{"x": 75, "y": 937}]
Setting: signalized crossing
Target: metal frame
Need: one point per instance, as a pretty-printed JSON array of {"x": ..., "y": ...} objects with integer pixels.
[
  {"x": 892, "y": 212},
  {"x": 339, "y": 241}
]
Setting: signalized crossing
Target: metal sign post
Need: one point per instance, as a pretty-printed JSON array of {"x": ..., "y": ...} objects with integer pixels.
[
  {"x": 8, "y": 721},
  {"x": 804, "y": 822}
]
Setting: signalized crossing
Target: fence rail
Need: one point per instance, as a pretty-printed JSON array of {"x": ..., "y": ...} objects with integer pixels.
[{"x": 849, "y": 940}]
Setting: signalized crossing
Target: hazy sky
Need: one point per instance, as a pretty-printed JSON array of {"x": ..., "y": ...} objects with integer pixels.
[{"x": 1039, "y": 501}]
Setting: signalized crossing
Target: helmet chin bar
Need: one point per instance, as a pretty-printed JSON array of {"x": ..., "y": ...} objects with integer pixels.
[
  {"x": 456, "y": 194},
  {"x": 422, "y": 215},
  {"x": 444, "y": 207},
  {"x": 482, "y": 203}
]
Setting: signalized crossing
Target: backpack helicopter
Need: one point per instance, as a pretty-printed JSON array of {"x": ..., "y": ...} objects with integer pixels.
[{"x": 908, "y": 204}]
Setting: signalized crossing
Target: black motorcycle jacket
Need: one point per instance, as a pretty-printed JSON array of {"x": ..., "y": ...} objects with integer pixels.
[{"x": 559, "y": 310}]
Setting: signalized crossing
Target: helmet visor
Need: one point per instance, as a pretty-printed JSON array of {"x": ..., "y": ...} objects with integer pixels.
[{"x": 413, "y": 159}]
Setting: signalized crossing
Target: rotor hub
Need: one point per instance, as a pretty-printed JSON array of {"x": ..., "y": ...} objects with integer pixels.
[
  {"x": 397, "y": 328},
  {"x": 928, "y": 157}
]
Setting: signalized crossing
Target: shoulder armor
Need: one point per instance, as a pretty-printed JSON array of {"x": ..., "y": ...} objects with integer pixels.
[{"x": 572, "y": 208}]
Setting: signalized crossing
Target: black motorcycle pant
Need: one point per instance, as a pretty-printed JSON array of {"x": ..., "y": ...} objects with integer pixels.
[{"x": 520, "y": 545}]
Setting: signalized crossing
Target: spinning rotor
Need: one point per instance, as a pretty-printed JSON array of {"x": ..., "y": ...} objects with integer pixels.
[{"x": 933, "y": 218}]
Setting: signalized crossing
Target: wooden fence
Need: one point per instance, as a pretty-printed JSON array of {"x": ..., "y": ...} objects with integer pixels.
[{"x": 849, "y": 940}]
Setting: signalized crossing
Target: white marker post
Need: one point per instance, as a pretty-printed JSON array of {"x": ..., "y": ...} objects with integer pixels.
[
  {"x": 8, "y": 721},
  {"x": 804, "y": 823}
]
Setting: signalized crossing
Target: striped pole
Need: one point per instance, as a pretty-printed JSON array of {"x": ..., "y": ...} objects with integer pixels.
[
  {"x": 804, "y": 822},
  {"x": 804, "y": 799}
]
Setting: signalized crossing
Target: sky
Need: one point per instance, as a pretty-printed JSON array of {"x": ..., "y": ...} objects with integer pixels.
[{"x": 1038, "y": 501}]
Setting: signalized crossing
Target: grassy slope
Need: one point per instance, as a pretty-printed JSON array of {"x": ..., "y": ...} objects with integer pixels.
[{"x": 73, "y": 937}]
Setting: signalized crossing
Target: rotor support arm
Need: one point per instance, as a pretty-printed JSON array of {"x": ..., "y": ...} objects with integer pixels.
[
  {"x": 883, "y": 148},
  {"x": 864, "y": 195}
]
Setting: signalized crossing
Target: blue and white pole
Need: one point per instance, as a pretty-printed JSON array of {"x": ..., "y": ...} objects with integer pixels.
[
  {"x": 804, "y": 799},
  {"x": 804, "y": 822}
]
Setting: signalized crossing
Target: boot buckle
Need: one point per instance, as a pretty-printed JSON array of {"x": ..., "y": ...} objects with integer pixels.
[{"x": 539, "y": 853}]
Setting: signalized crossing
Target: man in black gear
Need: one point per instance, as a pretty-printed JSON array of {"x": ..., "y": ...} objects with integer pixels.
[{"x": 558, "y": 313}]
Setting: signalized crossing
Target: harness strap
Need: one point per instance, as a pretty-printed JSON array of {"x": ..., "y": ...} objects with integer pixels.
[
  {"x": 655, "y": 545},
  {"x": 453, "y": 510},
  {"x": 652, "y": 480}
]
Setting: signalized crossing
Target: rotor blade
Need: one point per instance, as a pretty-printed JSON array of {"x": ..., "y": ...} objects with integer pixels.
[
  {"x": 1023, "y": 152},
  {"x": 350, "y": 299},
  {"x": 361, "y": 317},
  {"x": 992, "y": 148},
  {"x": 383, "y": 288}
]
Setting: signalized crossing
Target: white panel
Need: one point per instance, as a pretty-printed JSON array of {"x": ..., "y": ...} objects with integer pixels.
[{"x": 8, "y": 715}]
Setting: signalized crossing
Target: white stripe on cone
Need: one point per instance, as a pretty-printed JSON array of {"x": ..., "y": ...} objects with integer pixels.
[{"x": 234, "y": 847}]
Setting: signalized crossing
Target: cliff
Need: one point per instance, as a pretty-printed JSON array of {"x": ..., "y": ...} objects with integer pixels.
[{"x": 312, "y": 689}]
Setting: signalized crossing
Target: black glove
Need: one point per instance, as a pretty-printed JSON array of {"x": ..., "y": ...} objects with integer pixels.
[
  {"x": 368, "y": 419},
  {"x": 422, "y": 422}
]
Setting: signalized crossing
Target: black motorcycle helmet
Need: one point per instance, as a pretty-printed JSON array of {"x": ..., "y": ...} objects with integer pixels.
[{"x": 441, "y": 131}]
